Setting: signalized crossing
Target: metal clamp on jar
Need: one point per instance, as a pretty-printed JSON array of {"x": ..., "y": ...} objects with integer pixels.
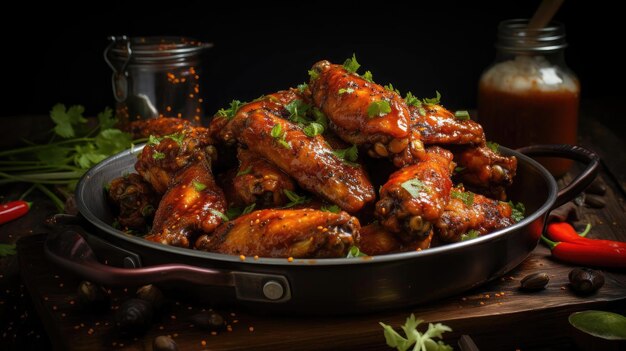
[{"x": 156, "y": 77}]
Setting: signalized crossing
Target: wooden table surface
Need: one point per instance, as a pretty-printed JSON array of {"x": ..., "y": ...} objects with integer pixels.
[{"x": 497, "y": 315}]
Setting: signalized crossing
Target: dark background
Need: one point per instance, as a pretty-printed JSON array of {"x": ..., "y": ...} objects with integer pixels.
[{"x": 54, "y": 54}]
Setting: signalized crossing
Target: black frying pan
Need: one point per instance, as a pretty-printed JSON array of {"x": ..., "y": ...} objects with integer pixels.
[{"x": 311, "y": 286}]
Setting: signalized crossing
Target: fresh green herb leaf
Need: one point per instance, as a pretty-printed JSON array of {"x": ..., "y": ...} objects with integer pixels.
[
  {"x": 294, "y": 199},
  {"x": 284, "y": 143},
  {"x": 248, "y": 209},
  {"x": 297, "y": 110},
  {"x": 177, "y": 137},
  {"x": 495, "y": 147},
  {"x": 423, "y": 342},
  {"x": 153, "y": 140},
  {"x": 462, "y": 115},
  {"x": 471, "y": 234},
  {"x": 414, "y": 187},
  {"x": 351, "y": 65},
  {"x": 466, "y": 196},
  {"x": 313, "y": 129},
  {"x": 7, "y": 250},
  {"x": 391, "y": 88},
  {"x": 302, "y": 87},
  {"x": 158, "y": 155},
  {"x": 433, "y": 101},
  {"x": 355, "y": 252},
  {"x": 343, "y": 91},
  {"x": 244, "y": 172},
  {"x": 230, "y": 112},
  {"x": 517, "y": 211},
  {"x": 458, "y": 169},
  {"x": 313, "y": 74},
  {"x": 219, "y": 214},
  {"x": 320, "y": 117},
  {"x": 350, "y": 154},
  {"x": 378, "y": 108},
  {"x": 411, "y": 100},
  {"x": 67, "y": 120},
  {"x": 233, "y": 212},
  {"x": 277, "y": 131},
  {"x": 605, "y": 325},
  {"x": 112, "y": 141},
  {"x": 368, "y": 76},
  {"x": 332, "y": 208},
  {"x": 197, "y": 185},
  {"x": 106, "y": 119}
]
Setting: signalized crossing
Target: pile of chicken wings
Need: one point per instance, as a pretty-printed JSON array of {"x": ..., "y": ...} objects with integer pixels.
[{"x": 312, "y": 172}]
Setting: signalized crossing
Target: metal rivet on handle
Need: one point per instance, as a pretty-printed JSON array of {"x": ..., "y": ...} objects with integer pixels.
[{"x": 273, "y": 290}]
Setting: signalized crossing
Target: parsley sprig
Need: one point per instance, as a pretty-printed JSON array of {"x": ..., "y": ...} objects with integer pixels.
[
  {"x": 423, "y": 341},
  {"x": 75, "y": 145}
]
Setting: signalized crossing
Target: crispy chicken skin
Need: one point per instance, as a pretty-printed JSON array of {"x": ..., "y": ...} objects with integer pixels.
[
  {"x": 159, "y": 162},
  {"x": 345, "y": 98},
  {"x": 135, "y": 200},
  {"x": 482, "y": 214},
  {"x": 439, "y": 126},
  {"x": 273, "y": 103},
  {"x": 374, "y": 239},
  {"x": 192, "y": 205},
  {"x": 309, "y": 160},
  {"x": 411, "y": 215},
  {"x": 302, "y": 233},
  {"x": 485, "y": 171},
  {"x": 259, "y": 182}
]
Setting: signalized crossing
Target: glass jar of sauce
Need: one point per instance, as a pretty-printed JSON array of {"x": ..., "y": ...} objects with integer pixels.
[
  {"x": 529, "y": 96},
  {"x": 156, "y": 77}
]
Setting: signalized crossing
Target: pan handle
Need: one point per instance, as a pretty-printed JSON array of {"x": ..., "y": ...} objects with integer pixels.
[
  {"x": 70, "y": 250},
  {"x": 572, "y": 152}
]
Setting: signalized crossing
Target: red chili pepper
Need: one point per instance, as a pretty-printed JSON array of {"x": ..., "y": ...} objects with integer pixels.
[
  {"x": 13, "y": 210},
  {"x": 563, "y": 231},
  {"x": 588, "y": 255}
]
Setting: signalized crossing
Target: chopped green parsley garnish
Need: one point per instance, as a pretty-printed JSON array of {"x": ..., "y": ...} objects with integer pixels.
[{"x": 378, "y": 108}]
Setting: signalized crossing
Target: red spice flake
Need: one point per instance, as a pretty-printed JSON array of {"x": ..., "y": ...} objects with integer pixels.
[
  {"x": 63, "y": 315},
  {"x": 175, "y": 335},
  {"x": 213, "y": 333},
  {"x": 90, "y": 331},
  {"x": 76, "y": 327},
  {"x": 502, "y": 293},
  {"x": 487, "y": 296},
  {"x": 72, "y": 302},
  {"x": 203, "y": 343},
  {"x": 232, "y": 314},
  {"x": 256, "y": 257},
  {"x": 563, "y": 288},
  {"x": 235, "y": 321},
  {"x": 61, "y": 285},
  {"x": 54, "y": 307},
  {"x": 173, "y": 317},
  {"x": 229, "y": 328},
  {"x": 242, "y": 258},
  {"x": 482, "y": 302},
  {"x": 290, "y": 259},
  {"x": 161, "y": 327},
  {"x": 45, "y": 298},
  {"x": 251, "y": 329},
  {"x": 464, "y": 299}
]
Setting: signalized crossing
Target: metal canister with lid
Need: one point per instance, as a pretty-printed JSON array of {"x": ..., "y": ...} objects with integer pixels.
[{"x": 156, "y": 77}]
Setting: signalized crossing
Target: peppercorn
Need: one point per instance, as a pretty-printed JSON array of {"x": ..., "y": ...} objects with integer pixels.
[
  {"x": 134, "y": 316},
  {"x": 585, "y": 281},
  {"x": 535, "y": 281}
]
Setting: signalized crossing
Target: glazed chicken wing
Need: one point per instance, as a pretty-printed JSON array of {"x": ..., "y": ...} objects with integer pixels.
[
  {"x": 468, "y": 211},
  {"x": 360, "y": 112},
  {"x": 162, "y": 158},
  {"x": 439, "y": 126},
  {"x": 485, "y": 171},
  {"x": 309, "y": 160},
  {"x": 284, "y": 233},
  {"x": 135, "y": 200},
  {"x": 374, "y": 239},
  {"x": 259, "y": 182},
  {"x": 192, "y": 205},
  {"x": 415, "y": 196}
]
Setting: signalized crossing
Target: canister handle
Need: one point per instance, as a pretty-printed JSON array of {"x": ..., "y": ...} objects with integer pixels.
[
  {"x": 68, "y": 249},
  {"x": 572, "y": 152},
  {"x": 120, "y": 78}
]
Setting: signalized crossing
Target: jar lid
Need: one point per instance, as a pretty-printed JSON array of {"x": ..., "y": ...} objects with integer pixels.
[
  {"x": 515, "y": 36},
  {"x": 155, "y": 49}
]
